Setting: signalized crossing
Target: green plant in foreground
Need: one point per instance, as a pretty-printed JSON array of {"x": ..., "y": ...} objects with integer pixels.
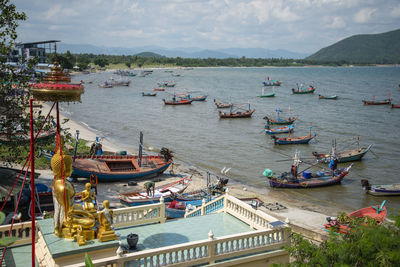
[
  {"x": 367, "y": 244},
  {"x": 88, "y": 261}
]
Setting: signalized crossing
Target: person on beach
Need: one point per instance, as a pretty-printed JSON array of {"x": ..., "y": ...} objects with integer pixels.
[{"x": 149, "y": 187}]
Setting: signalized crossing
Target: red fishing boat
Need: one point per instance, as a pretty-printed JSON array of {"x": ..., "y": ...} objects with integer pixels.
[
  {"x": 177, "y": 102},
  {"x": 378, "y": 213},
  {"x": 374, "y": 102},
  {"x": 395, "y": 106},
  {"x": 238, "y": 113},
  {"x": 159, "y": 89}
]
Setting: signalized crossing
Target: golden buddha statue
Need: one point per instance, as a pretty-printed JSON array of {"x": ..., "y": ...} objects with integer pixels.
[
  {"x": 68, "y": 217},
  {"x": 105, "y": 218},
  {"x": 88, "y": 197}
]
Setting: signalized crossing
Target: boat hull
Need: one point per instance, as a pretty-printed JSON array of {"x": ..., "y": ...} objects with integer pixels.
[
  {"x": 302, "y": 92},
  {"x": 280, "y": 122},
  {"x": 385, "y": 190},
  {"x": 308, "y": 183},
  {"x": 175, "y": 103},
  {"x": 234, "y": 115},
  {"x": 372, "y": 102},
  {"x": 345, "y": 156},
  {"x": 106, "y": 167},
  {"x": 292, "y": 141},
  {"x": 284, "y": 129},
  {"x": 333, "y": 97}
]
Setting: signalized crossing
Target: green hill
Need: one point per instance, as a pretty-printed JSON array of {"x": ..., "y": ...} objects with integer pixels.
[
  {"x": 383, "y": 48},
  {"x": 149, "y": 54}
]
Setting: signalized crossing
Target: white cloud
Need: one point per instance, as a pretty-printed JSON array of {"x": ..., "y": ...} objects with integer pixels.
[
  {"x": 53, "y": 11},
  {"x": 337, "y": 23},
  {"x": 395, "y": 12},
  {"x": 364, "y": 15}
]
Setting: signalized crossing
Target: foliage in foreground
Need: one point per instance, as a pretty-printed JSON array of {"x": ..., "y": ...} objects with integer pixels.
[{"x": 367, "y": 244}]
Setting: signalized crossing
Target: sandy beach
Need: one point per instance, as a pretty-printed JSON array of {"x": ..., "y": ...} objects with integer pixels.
[{"x": 304, "y": 217}]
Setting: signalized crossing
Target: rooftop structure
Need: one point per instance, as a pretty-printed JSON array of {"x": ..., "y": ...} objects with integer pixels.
[
  {"x": 30, "y": 50},
  {"x": 225, "y": 230}
]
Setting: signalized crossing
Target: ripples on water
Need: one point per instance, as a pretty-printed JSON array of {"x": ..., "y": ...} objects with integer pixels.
[{"x": 196, "y": 134}]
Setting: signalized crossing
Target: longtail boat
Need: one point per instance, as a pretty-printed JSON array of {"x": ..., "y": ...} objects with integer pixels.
[
  {"x": 222, "y": 105},
  {"x": 299, "y": 90},
  {"x": 378, "y": 213},
  {"x": 269, "y": 82},
  {"x": 381, "y": 189},
  {"x": 148, "y": 94},
  {"x": 266, "y": 95},
  {"x": 279, "y": 120},
  {"x": 137, "y": 198},
  {"x": 292, "y": 140},
  {"x": 395, "y": 105},
  {"x": 331, "y": 97},
  {"x": 238, "y": 113},
  {"x": 119, "y": 167},
  {"x": 380, "y": 102},
  {"x": 305, "y": 179},
  {"x": 343, "y": 156},
  {"x": 159, "y": 89},
  {"x": 279, "y": 130},
  {"x": 197, "y": 98},
  {"x": 177, "y": 102}
]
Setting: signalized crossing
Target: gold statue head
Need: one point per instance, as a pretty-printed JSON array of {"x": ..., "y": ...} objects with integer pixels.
[
  {"x": 106, "y": 204},
  {"x": 56, "y": 163},
  {"x": 88, "y": 186}
]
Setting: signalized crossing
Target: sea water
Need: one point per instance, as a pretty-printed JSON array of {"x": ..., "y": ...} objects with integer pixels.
[{"x": 197, "y": 135}]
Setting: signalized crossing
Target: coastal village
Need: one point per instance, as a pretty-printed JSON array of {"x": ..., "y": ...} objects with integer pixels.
[{"x": 97, "y": 203}]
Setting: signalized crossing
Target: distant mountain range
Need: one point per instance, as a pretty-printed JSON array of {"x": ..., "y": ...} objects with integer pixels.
[
  {"x": 383, "y": 48},
  {"x": 181, "y": 52}
]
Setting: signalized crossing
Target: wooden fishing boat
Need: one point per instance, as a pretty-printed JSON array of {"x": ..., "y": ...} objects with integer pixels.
[
  {"x": 236, "y": 114},
  {"x": 308, "y": 179},
  {"x": 279, "y": 130},
  {"x": 137, "y": 198},
  {"x": 378, "y": 213},
  {"x": 272, "y": 94},
  {"x": 309, "y": 90},
  {"x": 159, "y": 89},
  {"x": 222, "y": 105},
  {"x": 395, "y": 105},
  {"x": 119, "y": 167},
  {"x": 381, "y": 189},
  {"x": 269, "y": 82},
  {"x": 177, "y": 102},
  {"x": 106, "y": 85},
  {"x": 343, "y": 156},
  {"x": 118, "y": 82},
  {"x": 292, "y": 140},
  {"x": 22, "y": 137},
  {"x": 331, "y": 97},
  {"x": 279, "y": 120},
  {"x": 166, "y": 84},
  {"x": 197, "y": 98},
  {"x": 374, "y": 102},
  {"x": 148, "y": 94}
]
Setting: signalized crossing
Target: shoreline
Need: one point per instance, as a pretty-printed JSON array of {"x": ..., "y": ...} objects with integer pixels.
[{"x": 300, "y": 213}]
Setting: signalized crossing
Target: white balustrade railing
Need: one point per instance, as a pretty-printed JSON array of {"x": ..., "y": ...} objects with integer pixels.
[
  {"x": 137, "y": 215},
  {"x": 201, "y": 252},
  {"x": 237, "y": 208},
  {"x": 21, "y": 230}
]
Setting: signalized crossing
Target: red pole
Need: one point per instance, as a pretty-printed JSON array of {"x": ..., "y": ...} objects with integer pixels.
[{"x": 32, "y": 182}]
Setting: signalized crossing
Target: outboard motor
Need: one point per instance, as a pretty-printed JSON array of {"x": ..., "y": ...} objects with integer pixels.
[
  {"x": 166, "y": 153},
  {"x": 222, "y": 182},
  {"x": 365, "y": 184}
]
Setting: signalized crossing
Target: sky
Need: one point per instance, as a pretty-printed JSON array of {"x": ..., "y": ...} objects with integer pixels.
[{"x": 302, "y": 26}]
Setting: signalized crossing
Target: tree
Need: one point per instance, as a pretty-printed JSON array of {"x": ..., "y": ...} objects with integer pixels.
[
  {"x": 13, "y": 97},
  {"x": 367, "y": 244},
  {"x": 128, "y": 64},
  {"x": 102, "y": 62}
]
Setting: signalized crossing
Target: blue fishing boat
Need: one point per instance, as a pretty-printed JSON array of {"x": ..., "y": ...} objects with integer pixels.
[
  {"x": 381, "y": 189},
  {"x": 279, "y": 120},
  {"x": 292, "y": 140},
  {"x": 279, "y": 130}
]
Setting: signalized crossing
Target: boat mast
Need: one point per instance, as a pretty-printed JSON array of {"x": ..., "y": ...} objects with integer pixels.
[{"x": 140, "y": 149}]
